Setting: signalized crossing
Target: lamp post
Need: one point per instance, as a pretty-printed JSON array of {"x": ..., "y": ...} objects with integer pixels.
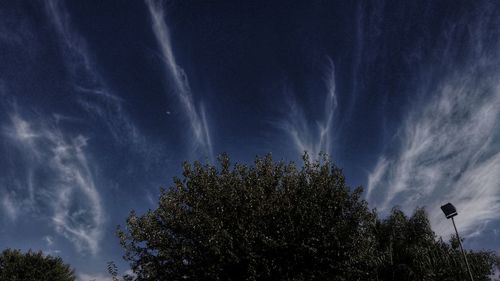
[{"x": 450, "y": 211}]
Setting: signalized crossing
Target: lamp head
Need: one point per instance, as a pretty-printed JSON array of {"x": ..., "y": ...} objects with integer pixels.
[{"x": 449, "y": 210}]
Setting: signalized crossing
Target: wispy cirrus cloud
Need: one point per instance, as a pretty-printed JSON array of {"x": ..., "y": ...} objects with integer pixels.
[
  {"x": 9, "y": 206},
  {"x": 75, "y": 50},
  {"x": 308, "y": 135},
  {"x": 59, "y": 164},
  {"x": 195, "y": 114},
  {"x": 90, "y": 90},
  {"x": 448, "y": 149}
]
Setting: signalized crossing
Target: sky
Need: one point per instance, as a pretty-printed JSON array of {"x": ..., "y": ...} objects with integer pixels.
[{"x": 102, "y": 101}]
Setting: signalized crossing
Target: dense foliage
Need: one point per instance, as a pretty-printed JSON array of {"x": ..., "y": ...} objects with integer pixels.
[
  {"x": 274, "y": 221},
  {"x": 31, "y": 266},
  {"x": 408, "y": 250}
]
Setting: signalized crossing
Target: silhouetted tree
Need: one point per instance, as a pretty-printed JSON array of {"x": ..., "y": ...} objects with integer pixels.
[
  {"x": 268, "y": 222},
  {"x": 31, "y": 266},
  {"x": 274, "y": 221},
  {"x": 408, "y": 250}
]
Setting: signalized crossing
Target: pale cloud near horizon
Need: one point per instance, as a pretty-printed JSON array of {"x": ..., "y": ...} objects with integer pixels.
[
  {"x": 448, "y": 148},
  {"x": 195, "y": 114},
  {"x": 99, "y": 276},
  {"x": 68, "y": 186},
  {"x": 95, "y": 277},
  {"x": 448, "y": 153}
]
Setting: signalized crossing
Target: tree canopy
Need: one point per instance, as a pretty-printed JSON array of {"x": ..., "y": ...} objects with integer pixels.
[
  {"x": 275, "y": 221},
  {"x": 408, "y": 250},
  {"x": 33, "y": 266}
]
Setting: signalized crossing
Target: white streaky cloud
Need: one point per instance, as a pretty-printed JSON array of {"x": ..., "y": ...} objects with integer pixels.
[
  {"x": 75, "y": 47},
  {"x": 58, "y": 118},
  {"x": 477, "y": 198},
  {"x": 9, "y": 206},
  {"x": 75, "y": 178},
  {"x": 376, "y": 176},
  {"x": 66, "y": 185},
  {"x": 53, "y": 253},
  {"x": 313, "y": 139},
  {"x": 91, "y": 92},
  {"x": 95, "y": 277},
  {"x": 197, "y": 117},
  {"x": 49, "y": 240},
  {"x": 20, "y": 195},
  {"x": 448, "y": 154},
  {"x": 449, "y": 148},
  {"x": 100, "y": 276},
  {"x": 99, "y": 92},
  {"x": 22, "y": 130}
]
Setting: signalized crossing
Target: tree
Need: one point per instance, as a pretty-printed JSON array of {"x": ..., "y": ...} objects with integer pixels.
[
  {"x": 31, "y": 266},
  {"x": 409, "y": 250},
  {"x": 274, "y": 221},
  {"x": 267, "y": 222}
]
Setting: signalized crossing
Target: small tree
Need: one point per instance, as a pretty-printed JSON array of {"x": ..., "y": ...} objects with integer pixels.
[
  {"x": 31, "y": 266},
  {"x": 271, "y": 221},
  {"x": 409, "y": 250}
]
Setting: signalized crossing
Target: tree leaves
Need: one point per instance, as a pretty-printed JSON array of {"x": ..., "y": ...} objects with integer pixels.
[
  {"x": 33, "y": 266},
  {"x": 410, "y": 251},
  {"x": 276, "y": 221}
]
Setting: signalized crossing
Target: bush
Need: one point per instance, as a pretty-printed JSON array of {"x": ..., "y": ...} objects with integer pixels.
[{"x": 31, "y": 266}]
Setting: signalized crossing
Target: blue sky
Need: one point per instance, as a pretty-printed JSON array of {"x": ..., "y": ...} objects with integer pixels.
[{"x": 101, "y": 102}]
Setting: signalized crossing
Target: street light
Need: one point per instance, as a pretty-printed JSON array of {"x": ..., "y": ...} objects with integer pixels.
[{"x": 450, "y": 211}]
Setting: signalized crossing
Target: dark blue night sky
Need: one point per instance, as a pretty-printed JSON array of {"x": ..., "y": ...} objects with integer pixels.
[{"x": 101, "y": 102}]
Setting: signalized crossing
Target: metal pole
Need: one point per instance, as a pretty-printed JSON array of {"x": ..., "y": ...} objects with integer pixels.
[{"x": 462, "y": 249}]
